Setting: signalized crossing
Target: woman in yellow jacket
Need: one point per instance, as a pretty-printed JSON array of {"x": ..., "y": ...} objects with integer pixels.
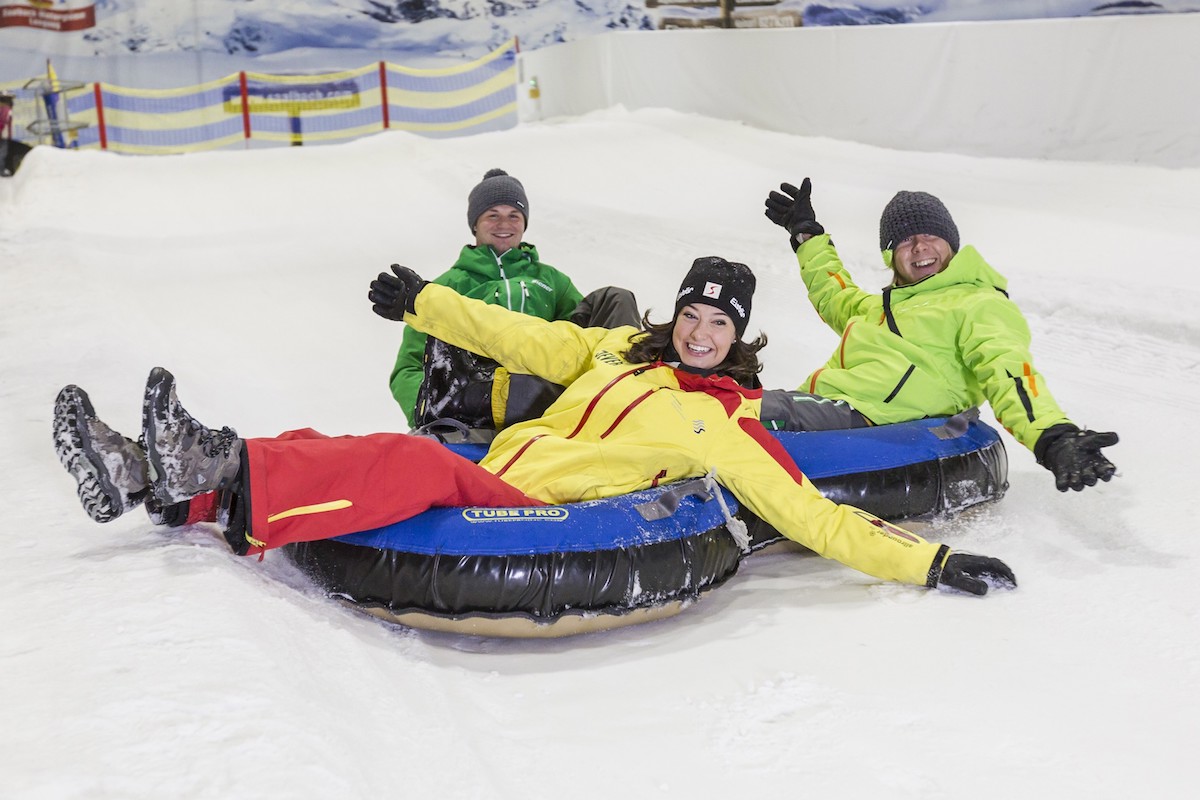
[{"x": 640, "y": 408}]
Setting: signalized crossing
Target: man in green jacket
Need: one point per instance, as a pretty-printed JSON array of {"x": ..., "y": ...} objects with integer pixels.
[
  {"x": 943, "y": 337},
  {"x": 434, "y": 381}
]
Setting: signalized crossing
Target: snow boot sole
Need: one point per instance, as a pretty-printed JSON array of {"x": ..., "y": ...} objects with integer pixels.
[{"x": 100, "y": 498}]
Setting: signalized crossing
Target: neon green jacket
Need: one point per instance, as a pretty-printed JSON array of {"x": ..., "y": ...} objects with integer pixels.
[
  {"x": 516, "y": 280},
  {"x": 620, "y": 427},
  {"x": 949, "y": 342}
]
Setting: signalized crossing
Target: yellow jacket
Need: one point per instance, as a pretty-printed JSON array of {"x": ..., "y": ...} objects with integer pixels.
[{"x": 620, "y": 427}]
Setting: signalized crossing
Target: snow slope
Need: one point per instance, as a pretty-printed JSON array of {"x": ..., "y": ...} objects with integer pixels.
[{"x": 141, "y": 663}]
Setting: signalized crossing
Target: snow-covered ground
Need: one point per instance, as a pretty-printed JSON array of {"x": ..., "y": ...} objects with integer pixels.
[{"x": 138, "y": 662}]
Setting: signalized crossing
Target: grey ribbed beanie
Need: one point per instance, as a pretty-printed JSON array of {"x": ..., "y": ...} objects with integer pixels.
[
  {"x": 497, "y": 188},
  {"x": 910, "y": 213}
]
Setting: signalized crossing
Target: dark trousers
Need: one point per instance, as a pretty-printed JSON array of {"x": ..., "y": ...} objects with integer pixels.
[
  {"x": 784, "y": 410},
  {"x": 607, "y": 307}
]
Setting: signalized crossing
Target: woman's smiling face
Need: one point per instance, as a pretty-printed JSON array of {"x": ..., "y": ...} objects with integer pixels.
[{"x": 702, "y": 336}]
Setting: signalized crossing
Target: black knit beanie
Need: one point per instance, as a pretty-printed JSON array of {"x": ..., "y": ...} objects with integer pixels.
[
  {"x": 910, "y": 213},
  {"x": 497, "y": 188},
  {"x": 726, "y": 285}
]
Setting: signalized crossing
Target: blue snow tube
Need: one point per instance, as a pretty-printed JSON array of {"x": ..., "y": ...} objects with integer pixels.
[{"x": 573, "y": 568}]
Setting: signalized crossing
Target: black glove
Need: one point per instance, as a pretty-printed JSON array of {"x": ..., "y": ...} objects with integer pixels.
[
  {"x": 395, "y": 295},
  {"x": 970, "y": 573},
  {"x": 793, "y": 210},
  {"x": 1074, "y": 456}
]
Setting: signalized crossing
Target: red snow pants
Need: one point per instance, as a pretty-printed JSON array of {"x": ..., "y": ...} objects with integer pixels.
[{"x": 306, "y": 486}]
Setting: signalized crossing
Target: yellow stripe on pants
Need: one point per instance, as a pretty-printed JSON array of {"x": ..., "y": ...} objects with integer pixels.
[{"x": 318, "y": 508}]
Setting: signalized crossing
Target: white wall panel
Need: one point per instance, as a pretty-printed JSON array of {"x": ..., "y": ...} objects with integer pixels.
[{"x": 1123, "y": 88}]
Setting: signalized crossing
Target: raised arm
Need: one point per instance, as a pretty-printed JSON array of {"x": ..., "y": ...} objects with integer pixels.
[
  {"x": 831, "y": 290},
  {"x": 557, "y": 351}
]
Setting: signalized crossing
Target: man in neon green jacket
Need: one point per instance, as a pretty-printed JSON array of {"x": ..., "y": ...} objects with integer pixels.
[
  {"x": 943, "y": 337},
  {"x": 432, "y": 380}
]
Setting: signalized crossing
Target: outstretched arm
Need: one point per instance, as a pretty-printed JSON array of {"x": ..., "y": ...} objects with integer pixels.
[
  {"x": 764, "y": 477},
  {"x": 996, "y": 348}
]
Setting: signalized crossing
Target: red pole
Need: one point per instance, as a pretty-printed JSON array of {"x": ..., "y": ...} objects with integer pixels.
[
  {"x": 387, "y": 117},
  {"x": 245, "y": 104},
  {"x": 100, "y": 115}
]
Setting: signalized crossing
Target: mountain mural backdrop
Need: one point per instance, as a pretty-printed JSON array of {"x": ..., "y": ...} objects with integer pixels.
[{"x": 153, "y": 43}]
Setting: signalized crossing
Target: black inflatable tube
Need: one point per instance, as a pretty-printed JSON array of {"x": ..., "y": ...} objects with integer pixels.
[
  {"x": 545, "y": 587},
  {"x": 542, "y": 586}
]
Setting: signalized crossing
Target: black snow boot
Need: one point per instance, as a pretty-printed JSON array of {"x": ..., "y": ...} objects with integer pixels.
[
  {"x": 110, "y": 469},
  {"x": 457, "y": 385},
  {"x": 185, "y": 457}
]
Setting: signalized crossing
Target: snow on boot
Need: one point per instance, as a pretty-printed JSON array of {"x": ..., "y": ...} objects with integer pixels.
[
  {"x": 110, "y": 469},
  {"x": 186, "y": 458}
]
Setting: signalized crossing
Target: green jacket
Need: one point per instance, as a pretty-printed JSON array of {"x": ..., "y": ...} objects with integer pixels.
[
  {"x": 949, "y": 342},
  {"x": 516, "y": 280}
]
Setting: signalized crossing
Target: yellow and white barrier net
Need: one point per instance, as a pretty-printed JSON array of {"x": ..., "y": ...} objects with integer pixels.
[{"x": 249, "y": 108}]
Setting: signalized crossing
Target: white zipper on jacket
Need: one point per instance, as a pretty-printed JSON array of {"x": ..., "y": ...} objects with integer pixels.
[{"x": 503, "y": 280}]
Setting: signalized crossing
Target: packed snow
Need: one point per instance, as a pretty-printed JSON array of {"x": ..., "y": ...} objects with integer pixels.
[{"x": 141, "y": 662}]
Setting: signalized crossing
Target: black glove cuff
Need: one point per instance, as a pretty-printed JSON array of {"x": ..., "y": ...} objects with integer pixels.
[
  {"x": 935, "y": 569},
  {"x": 807, "y": 230},
  {"x": 1049, "y": 437},
  {"x": 410, "y": 303}
]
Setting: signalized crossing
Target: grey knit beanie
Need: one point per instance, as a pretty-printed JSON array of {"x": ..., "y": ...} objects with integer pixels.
[
  {"x": 722, "y": 284},
  {"x": 910, "y": 213},
  {"x": 497, "y": 188}
]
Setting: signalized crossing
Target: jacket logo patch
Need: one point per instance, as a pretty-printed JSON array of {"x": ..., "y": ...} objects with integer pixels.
[
  {"x": 698, "y": 426},
  {"x": 607, "y": 357},
  {"x": 888, "y": 528}
]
